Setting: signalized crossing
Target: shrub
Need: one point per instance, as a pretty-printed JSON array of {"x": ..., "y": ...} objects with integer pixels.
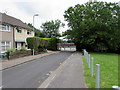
[
  {"x": 36, "y": 43},
  {"x": 52, "y": 43},
  {"x": 40, "y": 44},
  {"x": 31, "y": 41},
  {"x": 22, "y": 48},
  {"x": 11, "y": 50}
]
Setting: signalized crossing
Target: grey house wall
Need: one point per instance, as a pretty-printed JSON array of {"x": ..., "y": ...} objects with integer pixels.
[
  {"x": 13, "y": 22},
  {"x": 0, "y": 32},
  {"x": 7, "y": 36}
]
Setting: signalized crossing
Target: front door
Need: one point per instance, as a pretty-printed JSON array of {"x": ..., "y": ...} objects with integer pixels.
[{"x": 19, "y": 45}]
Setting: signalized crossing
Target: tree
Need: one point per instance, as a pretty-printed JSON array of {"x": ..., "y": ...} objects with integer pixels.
[
  {"x": 94, "y": 25},
  {"x": 38, "y": 32},
  {"x": 51, "y": 28}
]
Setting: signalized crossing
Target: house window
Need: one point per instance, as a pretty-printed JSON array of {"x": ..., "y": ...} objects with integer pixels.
[
  {"x": 5, "y": 45},
  {"x": 29, "y": 32},
  {"x": 19, "y": 30},
  {"x": 4, "y": 27}
]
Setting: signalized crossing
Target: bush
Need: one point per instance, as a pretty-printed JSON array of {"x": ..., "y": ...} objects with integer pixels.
[
  {"x": 36, "y": 43},
  {"x": 30, "y": 42},
  {"x": 22, "y": 48},
  {"x": 11, "y": 50},
  {"x": 40, "y": 44},
  {"x": 52, "y": 44}
]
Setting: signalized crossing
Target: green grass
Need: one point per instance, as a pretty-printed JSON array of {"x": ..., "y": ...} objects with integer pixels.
[{"x": 108, "y": 70}]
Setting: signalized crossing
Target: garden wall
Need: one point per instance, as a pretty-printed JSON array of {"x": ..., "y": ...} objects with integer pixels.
[{"x": 19, "y": 54}]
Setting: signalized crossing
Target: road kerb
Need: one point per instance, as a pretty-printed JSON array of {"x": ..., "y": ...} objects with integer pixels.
[
  {"x": 19, "y": 63},
  {"x": 46, "y": 83}
]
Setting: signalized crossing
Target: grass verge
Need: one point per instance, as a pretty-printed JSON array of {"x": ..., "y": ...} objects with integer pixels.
[{"x": 108, "y": 70}]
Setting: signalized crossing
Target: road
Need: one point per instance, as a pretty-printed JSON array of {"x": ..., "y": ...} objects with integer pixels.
[
  {"x": 33, "y": 73},
  {"x": 68, "y": 75}
]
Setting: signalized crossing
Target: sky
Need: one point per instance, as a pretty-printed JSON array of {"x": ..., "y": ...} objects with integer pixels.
[{"x": 47, "y": 9}]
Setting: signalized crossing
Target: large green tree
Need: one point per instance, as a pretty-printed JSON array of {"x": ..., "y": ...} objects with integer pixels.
[
  {"x": 51, "y": 28},
  {"x": 94, "y": 25}
]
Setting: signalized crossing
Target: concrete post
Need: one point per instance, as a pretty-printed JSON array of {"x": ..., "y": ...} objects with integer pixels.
[
  {"x": 85, "y": 54},
  {"x": 97, "y": 75},
  {"x": 88, "y": 60},
  {"x": 33, "y": 52},
  {"x": 92, "y": 66},
  {"x": 87, "y": 57}
]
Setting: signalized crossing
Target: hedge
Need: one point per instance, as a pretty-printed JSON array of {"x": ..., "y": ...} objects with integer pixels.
[
  {"x": 43, "y": 43},
  {"x": 52, "y": 43},
  {"x": 37, "y": 43}
]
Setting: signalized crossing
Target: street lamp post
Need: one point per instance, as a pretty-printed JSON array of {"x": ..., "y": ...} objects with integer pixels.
[
  {"x": 33, "y": 29},
  {"x": 33, "y": 20}
]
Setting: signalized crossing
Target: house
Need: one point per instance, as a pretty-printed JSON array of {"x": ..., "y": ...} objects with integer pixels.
[{"x": 13, "y": 32}]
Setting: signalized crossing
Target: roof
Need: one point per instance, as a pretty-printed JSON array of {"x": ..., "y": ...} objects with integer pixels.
[
  {"x": 13, "y": 21},
  {"x": 66, "y": 44},
  {"x": 19, "y": 40}
]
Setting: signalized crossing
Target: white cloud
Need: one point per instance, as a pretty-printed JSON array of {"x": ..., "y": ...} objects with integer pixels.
[
  {"x": 13, "y": 10},
  {"x": 47, "y": 9}
]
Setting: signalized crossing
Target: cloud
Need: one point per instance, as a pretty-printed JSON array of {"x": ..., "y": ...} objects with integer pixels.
[
  {"x": 47, "y": 9},
  {"x": 11, "y": 9}
]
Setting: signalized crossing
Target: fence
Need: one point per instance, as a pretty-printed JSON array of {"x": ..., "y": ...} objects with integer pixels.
[{"x": 90, "y": 62}]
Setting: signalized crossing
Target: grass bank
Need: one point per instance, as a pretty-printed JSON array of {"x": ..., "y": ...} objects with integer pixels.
[{"x": 108, "y": 70}]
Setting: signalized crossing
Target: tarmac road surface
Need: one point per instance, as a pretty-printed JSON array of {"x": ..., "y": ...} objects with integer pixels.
[{"x": 32, "y": 74}]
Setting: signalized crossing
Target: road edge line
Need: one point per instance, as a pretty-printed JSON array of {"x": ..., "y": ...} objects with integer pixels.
[{"x": 47, "y": 82}]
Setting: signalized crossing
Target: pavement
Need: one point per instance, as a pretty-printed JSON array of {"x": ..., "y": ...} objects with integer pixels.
[
  {"x": 68, "y": 75},
  {"x": 4, "y": 64}
]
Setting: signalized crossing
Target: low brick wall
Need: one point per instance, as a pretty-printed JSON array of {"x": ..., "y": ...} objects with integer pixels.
[{"x": 19, "y": 54}]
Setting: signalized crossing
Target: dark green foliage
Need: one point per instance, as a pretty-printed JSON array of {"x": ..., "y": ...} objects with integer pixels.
[
  {"x": 51, "y": 28},
  {"x": 38, "y": 33},
  {"x": 52, "y": 43},
  {"x": 62, "y": 41},
  {"x": 39, "y": 44},
  {"x": 36, "y": 43},
  {"x": 30, "y": 42},
  {"x": 94, "y": 26}
]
